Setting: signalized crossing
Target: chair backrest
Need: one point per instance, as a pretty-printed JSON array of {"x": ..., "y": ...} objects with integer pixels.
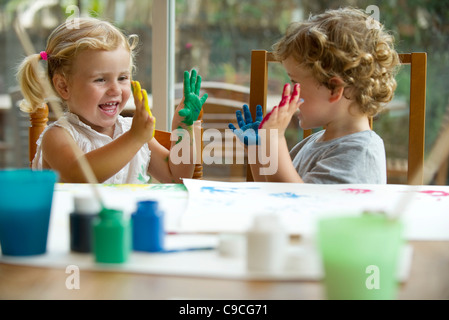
[
  {"x": 19, "y": 124},
  {"x": 224, "y": 99},
  {"x": 39, "y": 121},
  {"x": 418, "y": 73}
]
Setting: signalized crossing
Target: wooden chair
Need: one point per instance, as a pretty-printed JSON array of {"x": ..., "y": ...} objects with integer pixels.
[
  {"x": 218, "y": 111},
  {"x": 418, "y": 73},
  {"x": 39, "y": 121}
]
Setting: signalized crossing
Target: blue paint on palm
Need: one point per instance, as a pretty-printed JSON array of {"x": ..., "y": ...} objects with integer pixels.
[{"x": 249, "y": 130}]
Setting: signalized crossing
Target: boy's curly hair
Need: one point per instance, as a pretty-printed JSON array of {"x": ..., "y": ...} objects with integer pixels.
[{"x": 348, "y": 44}]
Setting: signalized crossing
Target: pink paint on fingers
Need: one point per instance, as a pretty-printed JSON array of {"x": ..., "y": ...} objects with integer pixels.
[
  {"x": 265, "y": 119},
  {"x": 283, "y": 101},
  {"x": 284, "y": 91},
  {"x": 295, "y": 91}
]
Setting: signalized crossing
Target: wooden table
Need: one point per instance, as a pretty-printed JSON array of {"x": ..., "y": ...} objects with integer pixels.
[{"x": 429, "y": 279}]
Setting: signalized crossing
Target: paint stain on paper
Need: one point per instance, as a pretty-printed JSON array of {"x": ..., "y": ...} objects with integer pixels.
[
  {"x": 357, "y": 191},
  {"x": 289, "y": 195},
  {"x": 218, "y": 190},
  {"x": 435, "y": 193}
]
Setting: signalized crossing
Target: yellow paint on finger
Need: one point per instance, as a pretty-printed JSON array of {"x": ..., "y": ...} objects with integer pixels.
[
  {"x": 137, "y": 92},
  {"x": 145, "y": 100},
  {"x": 147, "y": 107}
]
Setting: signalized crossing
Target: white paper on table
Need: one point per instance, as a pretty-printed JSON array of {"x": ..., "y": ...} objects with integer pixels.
[{"x": 231, "y": 206}]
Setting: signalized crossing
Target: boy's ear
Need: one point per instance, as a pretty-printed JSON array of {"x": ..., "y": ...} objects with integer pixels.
[
  {"x": 337, "y": 89},
  {"x": 61, "y": 85}
]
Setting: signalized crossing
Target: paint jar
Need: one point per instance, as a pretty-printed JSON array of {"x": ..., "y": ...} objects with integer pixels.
[
  {"x": 232, "y": 245},
  {"x": 112, "y": 237},
  {"x": 266, "y": 244},
  {"x": 81, "y": 223},
  {"x": 148, "y": 227}
]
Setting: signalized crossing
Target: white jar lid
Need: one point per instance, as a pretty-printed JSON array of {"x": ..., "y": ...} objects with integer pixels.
[{"x": 86, "y": 205}]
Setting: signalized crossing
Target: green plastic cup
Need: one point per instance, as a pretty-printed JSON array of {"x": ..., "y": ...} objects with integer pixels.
[
  {"x": 25, "y": 205},
  {"x": 360, "y": 256}
]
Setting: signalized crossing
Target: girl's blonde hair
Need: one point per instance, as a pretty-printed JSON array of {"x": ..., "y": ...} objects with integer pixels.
[
  {"x": 348, "y": 44},
  {"x": 63, "y": 46}
]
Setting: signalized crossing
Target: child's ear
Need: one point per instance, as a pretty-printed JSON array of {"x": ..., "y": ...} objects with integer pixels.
[
  {"x": 336, "y": 87},
  {"x": 61, "y": 85}
]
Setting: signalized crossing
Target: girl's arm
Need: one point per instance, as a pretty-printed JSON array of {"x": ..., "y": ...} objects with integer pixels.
[
  {"x": 170, "y": 166},
  {"x": 58, "y": 154}
]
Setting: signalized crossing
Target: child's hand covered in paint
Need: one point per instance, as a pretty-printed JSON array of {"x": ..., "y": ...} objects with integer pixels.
[
  {"x": 141, "y": 94},
  {"x": 281, "y": 115},
  {"x": 248, "y": 132},
  {"x": 141, "y": 97},
  {"x": 144, "y": 124},
  {"x": 192, "y": 102}
]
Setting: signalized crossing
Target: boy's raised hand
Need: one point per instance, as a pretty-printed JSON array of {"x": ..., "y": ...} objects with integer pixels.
[
  {"x": 248, "y": 132},
  {"x": 192, "y": 102},
  {"x": 280, "y": 116}
]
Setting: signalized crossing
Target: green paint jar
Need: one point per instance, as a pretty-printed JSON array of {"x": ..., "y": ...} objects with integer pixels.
[{"x": 112, "y": 237}]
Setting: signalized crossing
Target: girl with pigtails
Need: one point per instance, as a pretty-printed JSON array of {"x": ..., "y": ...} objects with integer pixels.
[{"x": 90, "y": 70}]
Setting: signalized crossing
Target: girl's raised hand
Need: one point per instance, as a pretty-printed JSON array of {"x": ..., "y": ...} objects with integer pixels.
[
  {"x": 144, "y": 124},
  {"x": 192, "y": 101}
]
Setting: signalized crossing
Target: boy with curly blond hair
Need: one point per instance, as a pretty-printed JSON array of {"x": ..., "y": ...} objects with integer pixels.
[{"x": 343, "y": 68}]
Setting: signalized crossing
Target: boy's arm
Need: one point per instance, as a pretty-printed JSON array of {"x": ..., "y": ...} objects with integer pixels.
[
  {"x": 272, "y": 128},
  {"x": 254, "y": 164},
  {"x": 278, "y": 166},
  {"x": 248, "y": 135}
]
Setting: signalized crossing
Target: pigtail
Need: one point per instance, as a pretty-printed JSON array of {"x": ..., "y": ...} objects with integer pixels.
[{"x": 31, "y": 83}]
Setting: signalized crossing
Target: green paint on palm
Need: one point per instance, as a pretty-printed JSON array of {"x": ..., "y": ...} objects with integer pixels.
[{"x": 192, "y": 102}]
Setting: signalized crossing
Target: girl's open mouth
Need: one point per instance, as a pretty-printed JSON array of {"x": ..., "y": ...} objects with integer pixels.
[{"x": 109, "y": 108}]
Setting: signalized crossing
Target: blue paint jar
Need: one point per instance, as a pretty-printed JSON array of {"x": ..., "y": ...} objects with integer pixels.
[{"x": 148, "y": 227}]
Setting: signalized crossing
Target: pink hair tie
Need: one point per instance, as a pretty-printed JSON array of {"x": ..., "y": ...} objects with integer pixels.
[{"x": 44, "y": 55}]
